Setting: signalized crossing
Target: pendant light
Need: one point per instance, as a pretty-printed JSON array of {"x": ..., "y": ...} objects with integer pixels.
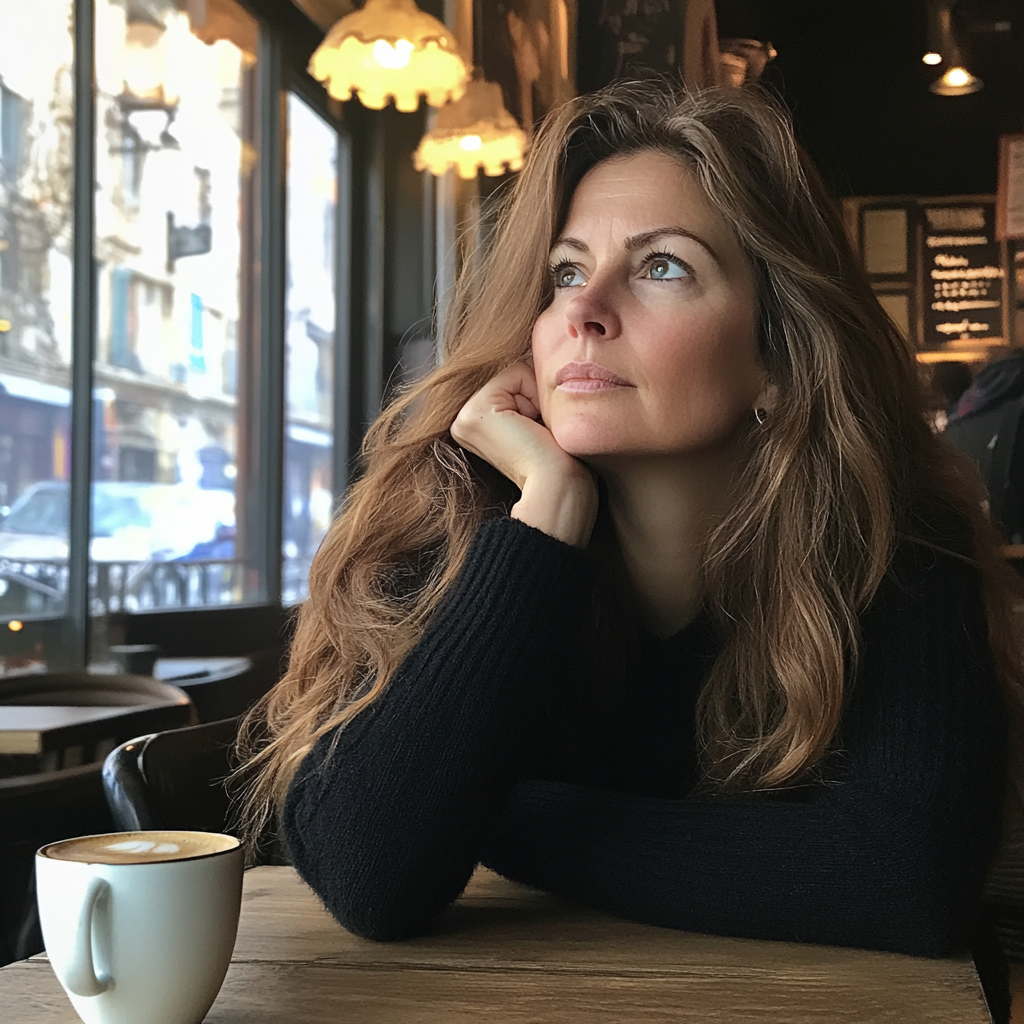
[
  {"x": 956, "y": 81},
  {"x": 390, "y": 49},
  {"x": 943, "y": 47},
  {"x": 475, "y": 131}
]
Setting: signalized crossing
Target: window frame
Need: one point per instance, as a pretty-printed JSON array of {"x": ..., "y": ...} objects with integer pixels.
[{"x": 287, "y": 39}]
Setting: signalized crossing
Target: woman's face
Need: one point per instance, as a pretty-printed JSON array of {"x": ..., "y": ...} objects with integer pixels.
[{"x": 649, "y": 346}]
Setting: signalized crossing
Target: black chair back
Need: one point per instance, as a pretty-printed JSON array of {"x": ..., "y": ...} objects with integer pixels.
[
  {"x": 87, "y": 689},
  {"x": 35, "y": 810},
  {"x": 172, "y": 779}
]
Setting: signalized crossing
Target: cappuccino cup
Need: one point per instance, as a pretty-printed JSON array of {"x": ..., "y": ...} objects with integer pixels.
[{"x": 139, "y": 926}]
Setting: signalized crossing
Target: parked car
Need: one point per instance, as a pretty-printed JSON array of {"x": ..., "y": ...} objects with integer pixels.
[{"x": 131, "y": 522}]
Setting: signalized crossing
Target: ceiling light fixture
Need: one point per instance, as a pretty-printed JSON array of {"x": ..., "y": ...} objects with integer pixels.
[
  {"x": 476, "y": 131},
  {"x": 473, "y": 132},
  {"x": 390, "y": 50},
  {"x": 956, "y": 80}
]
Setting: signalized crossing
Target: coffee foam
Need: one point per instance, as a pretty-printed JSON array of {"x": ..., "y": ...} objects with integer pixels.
[{"x": 139, "y": 847}]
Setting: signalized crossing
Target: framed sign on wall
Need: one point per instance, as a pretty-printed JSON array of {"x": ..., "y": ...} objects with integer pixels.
[{"x": 1010, "y": 189}]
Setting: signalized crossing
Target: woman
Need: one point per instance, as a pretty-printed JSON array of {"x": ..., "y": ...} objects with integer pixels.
[{"x": 659, "y": 592}]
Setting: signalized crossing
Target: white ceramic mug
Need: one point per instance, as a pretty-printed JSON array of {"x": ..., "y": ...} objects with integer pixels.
[{"x": 140, "y": 926}]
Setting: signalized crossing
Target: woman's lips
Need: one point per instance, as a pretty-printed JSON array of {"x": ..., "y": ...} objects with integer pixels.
[{"x": 588, "y": 377}]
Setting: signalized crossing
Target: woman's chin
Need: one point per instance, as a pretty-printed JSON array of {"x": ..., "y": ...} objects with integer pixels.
[{"x": 586, "y": 444}]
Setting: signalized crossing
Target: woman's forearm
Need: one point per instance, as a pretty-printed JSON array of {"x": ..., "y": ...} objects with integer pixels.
[{"x": 388, "y": 826}]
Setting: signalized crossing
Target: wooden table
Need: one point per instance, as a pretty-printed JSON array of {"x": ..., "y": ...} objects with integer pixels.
[
  {"x": 49, "y": 729},
  {"x": 508, "y": 954},
  {"x": 179, "y": 670}
]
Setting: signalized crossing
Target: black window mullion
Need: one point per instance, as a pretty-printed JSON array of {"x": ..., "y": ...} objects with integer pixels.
[
  {"x": 271, "y": 162},
  {"x": 375, "y": 240},
  {"x": 366, "y": 273},
  {"x": 343, "y": 451},
  {"x": 74, "y": 650}
]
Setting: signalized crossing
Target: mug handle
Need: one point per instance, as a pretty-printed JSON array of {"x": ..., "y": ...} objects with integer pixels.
[{"x": 80, "y": 974}]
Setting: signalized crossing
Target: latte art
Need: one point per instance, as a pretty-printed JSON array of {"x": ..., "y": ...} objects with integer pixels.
[{"x": 140, "y": 847}]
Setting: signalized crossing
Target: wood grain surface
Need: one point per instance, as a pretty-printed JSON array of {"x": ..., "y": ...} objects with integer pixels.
[{"x": 505, "y": 953}]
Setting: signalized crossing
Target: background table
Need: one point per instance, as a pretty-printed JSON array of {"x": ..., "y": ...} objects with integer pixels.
[
  {"x": 505, "y": 953},
  {"x": 45, "y": 737}
]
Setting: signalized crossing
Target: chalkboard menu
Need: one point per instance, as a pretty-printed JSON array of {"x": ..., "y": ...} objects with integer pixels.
[{"x": 962, "y": 270}]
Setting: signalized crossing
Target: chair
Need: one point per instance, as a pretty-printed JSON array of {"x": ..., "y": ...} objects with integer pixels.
[
  {"x": 223, "y": 687},
  {"x": 232, "y": 631},
  {"x": 49, "y": 805},
  {"x": 175, "y": 779},
  {"x": 259, "y": 633},
  {"x": 1004, "y": 887},
  {"x": 86, "y": 689},
  {"x": 39, "y": 809},
  {"x": 172, "y": 779}
]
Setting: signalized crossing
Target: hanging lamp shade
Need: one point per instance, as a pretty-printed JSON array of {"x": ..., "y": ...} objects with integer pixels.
[
  {"x": 956, "y": 81},
  {"x": 943, "y": 46},
  {"x": 390, "y": 49},
  {"x": 473, "y": 132}
]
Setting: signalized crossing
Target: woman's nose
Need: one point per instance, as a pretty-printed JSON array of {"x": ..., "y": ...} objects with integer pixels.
[{"x": 591, "y": 312}]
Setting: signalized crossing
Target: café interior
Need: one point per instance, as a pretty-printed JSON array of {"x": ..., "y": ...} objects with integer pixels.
[{"x": 229, "y": 231}]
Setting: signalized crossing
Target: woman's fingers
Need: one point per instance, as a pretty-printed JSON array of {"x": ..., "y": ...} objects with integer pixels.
[
  {"x": 501, "y": 424},
  {"x": 527, "y": 407}
]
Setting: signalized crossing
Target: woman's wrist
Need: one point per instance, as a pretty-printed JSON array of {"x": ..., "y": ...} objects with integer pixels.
[{"x": 563, "y": 506}]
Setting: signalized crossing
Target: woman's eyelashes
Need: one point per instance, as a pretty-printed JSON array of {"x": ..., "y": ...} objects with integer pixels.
[
  {"x": 664, "y": 266},
  {"x": 565, "y": 274},
  {"x": 655, "y": 266}
]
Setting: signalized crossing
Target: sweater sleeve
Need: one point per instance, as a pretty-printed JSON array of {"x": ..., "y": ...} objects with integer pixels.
[
  {"x": 888, "y": 852},
  {"x": 385, "y": 818}
]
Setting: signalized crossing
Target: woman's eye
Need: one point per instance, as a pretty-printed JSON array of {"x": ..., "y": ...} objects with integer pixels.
[
  {"x": 665, "y": 267},
  {"x": 566, "y": 275}
]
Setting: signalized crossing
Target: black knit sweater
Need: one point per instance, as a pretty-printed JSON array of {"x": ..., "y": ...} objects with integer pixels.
[{"x": 460, "y": 761}]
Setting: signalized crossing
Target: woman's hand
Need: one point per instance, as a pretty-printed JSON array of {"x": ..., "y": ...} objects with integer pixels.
[{"x": 501, "y": 424}]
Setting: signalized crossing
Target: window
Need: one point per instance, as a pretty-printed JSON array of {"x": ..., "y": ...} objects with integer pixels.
[
  {"x": 205, "y": 315},
  {"x": 310, "y": 342},
  {"x": 13, "y": 109},
  {"x": 36, "y": 137},
  {"x": 169, "y": 250}
]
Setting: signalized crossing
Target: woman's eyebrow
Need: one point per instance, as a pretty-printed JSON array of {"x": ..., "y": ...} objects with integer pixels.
[{"x": 641, "y": 241}]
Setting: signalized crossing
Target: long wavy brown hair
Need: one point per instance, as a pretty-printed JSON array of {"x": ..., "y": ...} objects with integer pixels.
[{"x": 847, "y": 466}]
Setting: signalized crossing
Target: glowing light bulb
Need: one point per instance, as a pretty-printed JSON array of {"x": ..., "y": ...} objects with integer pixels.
[
  {"x": 15, "y": 626},
  {"x": 472, "y": 133},
  {"x": 932, "y": 58},
  {"x": 956, "y": 81},
  {"x": 390, "y": 51},
  {"x": 393, "y": 57}
]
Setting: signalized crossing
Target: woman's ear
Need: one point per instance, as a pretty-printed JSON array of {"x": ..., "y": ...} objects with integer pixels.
[{"x": 768, "y": 399}]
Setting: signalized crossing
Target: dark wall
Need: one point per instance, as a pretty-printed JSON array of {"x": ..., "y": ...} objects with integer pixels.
[{"x": 851, "y": 73}]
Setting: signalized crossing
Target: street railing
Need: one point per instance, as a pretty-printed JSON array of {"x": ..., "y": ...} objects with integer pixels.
[{"x": 37, "y": 587}]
